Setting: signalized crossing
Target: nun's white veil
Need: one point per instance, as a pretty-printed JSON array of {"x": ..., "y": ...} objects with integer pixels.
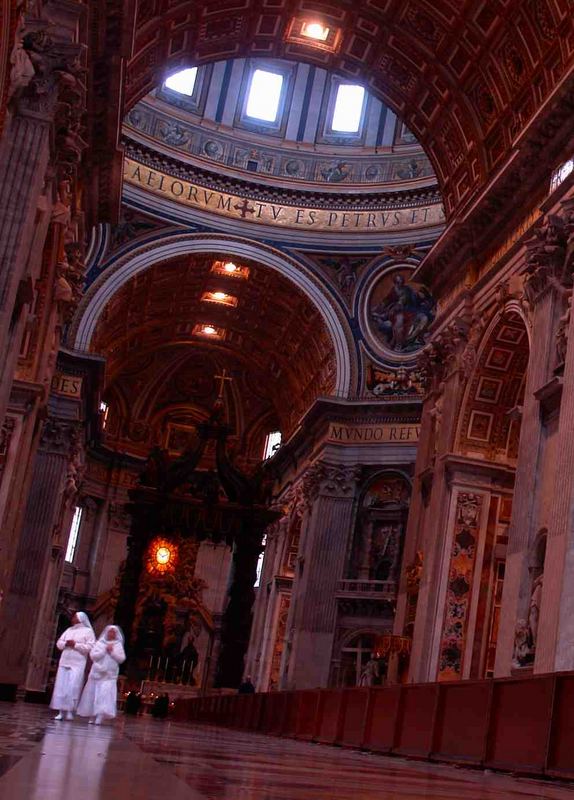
[
  {"x": 107, "y": 629},
  {"x": 84, "y": 620}
]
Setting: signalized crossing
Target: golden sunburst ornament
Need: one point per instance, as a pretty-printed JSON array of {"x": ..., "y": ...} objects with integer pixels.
[{"x": 162, "y": 555}]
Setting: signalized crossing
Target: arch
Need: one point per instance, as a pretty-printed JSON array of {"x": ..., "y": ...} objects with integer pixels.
[
  {"x": 488, "y": 421},
  {"x": 381, "y": 475},
  {"x": 348, "y": 636},
  {"x": 118, "y": 270}
]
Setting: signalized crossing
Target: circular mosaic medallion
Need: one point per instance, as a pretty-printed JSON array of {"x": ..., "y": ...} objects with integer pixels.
[{"x": 397, "y": 313}]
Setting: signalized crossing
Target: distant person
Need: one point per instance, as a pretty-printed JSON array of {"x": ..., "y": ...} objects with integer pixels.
[
  {"x": 160, "y": 708},
  {"x": 371, "y": 672},
  {"x": 133, "y": 703},
  {"x": 75, "y": 643},
  {"x": 246, "y": 687},
  {"x": 100, "y": 696},
  {"x": 188, "y": 658}
]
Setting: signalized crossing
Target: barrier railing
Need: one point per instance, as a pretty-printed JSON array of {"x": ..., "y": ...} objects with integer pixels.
[
  {"x": 384, "y": 590},
  {"x": 521, "y": 724}
]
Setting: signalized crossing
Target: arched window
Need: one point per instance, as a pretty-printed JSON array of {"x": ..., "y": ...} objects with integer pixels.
[
  {"x": 354, "y": 656},
  {"x": 260, "y": 564},
  {"x": 73, "y": 536},
  {"x": 272, "y": 444},
  {"x": 104, "y": 411}
]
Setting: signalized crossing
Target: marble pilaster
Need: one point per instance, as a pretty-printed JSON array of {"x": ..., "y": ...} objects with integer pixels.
[
  {"x": 115, "y": 521},
  {"x": 259, "y": 654},
  {"x": 26, "y": 151},
  {"x": 555, "y": 645},
  {"x": 428, "y": 524},
  {"x": 516, "y": 590},
  {"x": 547, "y": 283},
  {"x": 33, "y": 557},
  {"x": 327, "y": 540}
]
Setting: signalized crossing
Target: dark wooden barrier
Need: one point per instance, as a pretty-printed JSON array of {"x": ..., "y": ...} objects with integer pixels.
[
  {"x": 560, "y": 760},
  {"x": 381, "y": 720},
  {"x": 521, "y": 714},
  {"x": 416, "y": 717},
  {"x": 292, "y": 702},
  {"x": 308, "y": 710},
  {"x": 461, "y": 724},
  {"x": 520, "y": 724},
  {"x": 355, "y": 706},
  {"x": 329, "y": 718}
]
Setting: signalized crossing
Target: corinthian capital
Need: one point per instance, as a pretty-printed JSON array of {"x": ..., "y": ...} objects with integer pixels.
[
  {"x": 45, "y": 71},
  {"x": 332, "y": 480},
  {"x": 545, "y": 259},
  {"x": 59, "y": 437},
  {"x": 453, "y": 348}
]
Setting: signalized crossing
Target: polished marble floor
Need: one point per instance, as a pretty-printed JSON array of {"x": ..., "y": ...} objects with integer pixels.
[{"x": 147, "y": 759}]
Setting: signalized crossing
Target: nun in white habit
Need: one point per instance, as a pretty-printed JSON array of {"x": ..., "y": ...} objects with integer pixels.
[
  {"x": 99, "y": 698},
  {"x": 75, "y": 644}
]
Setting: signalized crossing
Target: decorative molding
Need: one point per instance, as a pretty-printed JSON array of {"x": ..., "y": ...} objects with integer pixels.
[
  {"x": 60, "y": 437},
  {"x": 178, "y": 131},
  {"x": 349, "y": 213},
  {"x": 545, "y": 259},
  {"x": 331, "y": 480}
]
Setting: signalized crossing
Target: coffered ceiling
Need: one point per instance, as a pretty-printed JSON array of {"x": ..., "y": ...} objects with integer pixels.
[{"x": 171, "y": 330}]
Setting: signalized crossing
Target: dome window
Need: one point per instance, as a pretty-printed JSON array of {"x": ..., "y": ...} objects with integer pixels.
[
  {"x": 264, "y": 95},
  {"x": 348, "y": 109},
  {"x": 182, "y": 82}
]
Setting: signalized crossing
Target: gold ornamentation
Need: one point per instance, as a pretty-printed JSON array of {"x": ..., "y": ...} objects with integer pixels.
[{"x": 161, "y": 557}]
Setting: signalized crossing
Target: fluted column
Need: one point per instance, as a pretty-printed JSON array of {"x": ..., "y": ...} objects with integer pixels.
[
  {"x": 329, "y": 530},
  {"x": 26, "y": 151},
  {"x": 34, "y": 553}
]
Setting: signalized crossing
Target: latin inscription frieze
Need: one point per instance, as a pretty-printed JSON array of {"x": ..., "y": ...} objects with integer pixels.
[
  {"x": 287, "y": 216},
  {"x": 373, "y": 434}
]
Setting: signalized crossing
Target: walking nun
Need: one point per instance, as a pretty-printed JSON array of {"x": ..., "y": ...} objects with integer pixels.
[
  {"x": 75, "y": 644},
  {"x": 99, "y": 698}
]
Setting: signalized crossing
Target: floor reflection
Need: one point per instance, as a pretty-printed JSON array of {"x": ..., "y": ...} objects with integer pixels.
[
  {"x": 147, "y": 759},
  {"x": 221, "y": 764},
  {"x": 72, "y": 762}
]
